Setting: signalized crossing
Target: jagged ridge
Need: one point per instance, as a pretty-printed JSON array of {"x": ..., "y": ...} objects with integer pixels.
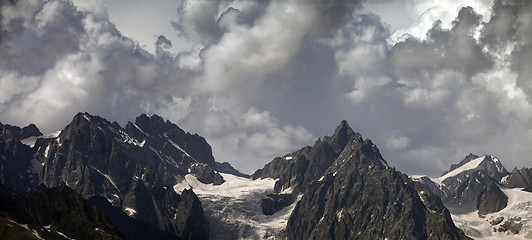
[{"x": 350, "y": 192}]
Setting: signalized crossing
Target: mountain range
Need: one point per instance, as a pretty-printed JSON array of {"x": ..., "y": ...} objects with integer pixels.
[{"x": 153, "y": 179}]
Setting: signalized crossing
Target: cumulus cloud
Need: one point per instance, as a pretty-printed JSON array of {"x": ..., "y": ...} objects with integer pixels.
[
  {"x": 397, "y": 142},
  {"x": 259, "y": 79}
]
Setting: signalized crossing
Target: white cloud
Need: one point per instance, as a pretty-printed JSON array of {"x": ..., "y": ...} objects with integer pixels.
[
  {"x": 262, "y": 78},
  {"x": 397, "y": 142}
]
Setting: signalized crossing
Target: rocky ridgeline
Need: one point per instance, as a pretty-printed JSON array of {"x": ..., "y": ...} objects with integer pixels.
[
  {"x": 350, "y": 192},
  {"x": 19, "y": 171},
  {"x": 463, "y": 182},
  {"x": 134, "y": 168}
]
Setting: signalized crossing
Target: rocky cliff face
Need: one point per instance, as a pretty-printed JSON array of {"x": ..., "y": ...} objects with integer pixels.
[
  {"x": 19, "y": 170},
  {"x": 491, "y": 199},
  {"x": 350, "y": 192},
  {"x": 518, "y": 178},
  {"x": 297, "y": 170},
  {"x": 134, "y": 167}
]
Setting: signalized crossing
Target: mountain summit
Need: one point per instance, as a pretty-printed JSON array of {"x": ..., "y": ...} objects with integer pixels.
[
  {"x": 350, "y": 192},
  {"x": 463, "y": 182},
  {"x": 134, "y": 168}
]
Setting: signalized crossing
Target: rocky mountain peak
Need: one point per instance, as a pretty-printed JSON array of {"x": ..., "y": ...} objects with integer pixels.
[
  {"x": 518, "y": 178},
  {"x": 465, "y": 180},
  {"x": 343, "y": 135},
  {"x": 467, "y": 159},
  {"x": 156, "y": 125},
  {"x": 22, "y": 133}
]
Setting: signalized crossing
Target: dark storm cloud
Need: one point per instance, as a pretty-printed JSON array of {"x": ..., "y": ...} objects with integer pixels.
[{"x": 264, "y": 78}]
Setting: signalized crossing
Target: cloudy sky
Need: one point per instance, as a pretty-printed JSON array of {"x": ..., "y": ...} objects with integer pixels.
[{"x": 428, "y": 81}]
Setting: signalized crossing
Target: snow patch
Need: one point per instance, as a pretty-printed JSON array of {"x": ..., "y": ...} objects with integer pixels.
[
  {"x": 65, "y": 236},
  {"x": 504, "y": 179},
  {"x": 236, "y": 187},
  {"x": 46, "y": 151},
  {"x": 127, "y": 139},
  {"x": 288, "y": 158},
  {"x": 108, "y": 178},
  {"x": 465, "y": 217},
  {"x": 35, "y": 233},
  {"x": 180, "y": 149},
  {"x": 468, "y": 166},
  {"x": 130, "y": 211},
  {"x": 234, "y": 207},
  {"x": 287, "y": 190},
  {"x": 339, "y": 215}
]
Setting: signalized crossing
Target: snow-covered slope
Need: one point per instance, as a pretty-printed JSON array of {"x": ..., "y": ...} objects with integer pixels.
[
  {"x": 466, "y": 167},
  {"x": 233, "y": 208},
  {"x": 513, "y": 222},
  {"x": 464, "y": 181}
]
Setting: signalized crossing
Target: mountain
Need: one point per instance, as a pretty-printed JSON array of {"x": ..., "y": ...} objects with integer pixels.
[
  {"x": 55, "y": 213},
  {"x": 518, "y": 178},
  {"x": 349, "y": 192},
  {"x": 134, "y": 168},
  {"x": 486, "y": 201},
  {"x": 491, "y": 199},
  {"x": 464, "y": 181},
  {"x": 225, "y": 167},
  {"x": 19, "y": 170}
]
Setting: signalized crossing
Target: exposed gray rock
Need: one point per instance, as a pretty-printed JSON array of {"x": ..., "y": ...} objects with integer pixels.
[
  {"x": 276, "y": 202},
  {"x": 225, "y": 167},
  {"x": 22, "y": 133},
  {"x": 465, "y": 186},
  {"x": 350, "y": 192},
  {"x": 491, "y": 199},
  {"x": 20, "y": 171},
  {"x": 204, "y": 173},
  {"x": 518, "y": 178},
  {"x": 134, "y": 167}
]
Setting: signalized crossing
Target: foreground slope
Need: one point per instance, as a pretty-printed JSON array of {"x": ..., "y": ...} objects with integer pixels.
[
  {"x": 350, "y": 192},
  {"x": 56, "y": 213}
]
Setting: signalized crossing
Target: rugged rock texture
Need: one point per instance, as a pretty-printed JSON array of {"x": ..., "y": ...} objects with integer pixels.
[
  {"x": 351, "y": 193},
  {"x": 297, "y": 170},
  {"x": 225, "y": 167},
  {"x": 491, "y": 199},
  {"x": 22, "y": 133},
  {"x": 129, "y": 228},
  {"x": 19, "y": 170},
  {"x": 189, "y": 217},
  {"x": 55, "y": 210},
  {"x": 134, "y": 167},
  {"x": 275, "y": 202},
  {"x": 205, "y": 174},
  {"x": 518, "y": 178},
  {"x": 464, "y": 181}
]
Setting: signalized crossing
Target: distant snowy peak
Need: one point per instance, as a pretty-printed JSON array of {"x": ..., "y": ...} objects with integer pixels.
[
  {"x": 464, "y": 181},
  {"x": 488, "y": 163}
]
